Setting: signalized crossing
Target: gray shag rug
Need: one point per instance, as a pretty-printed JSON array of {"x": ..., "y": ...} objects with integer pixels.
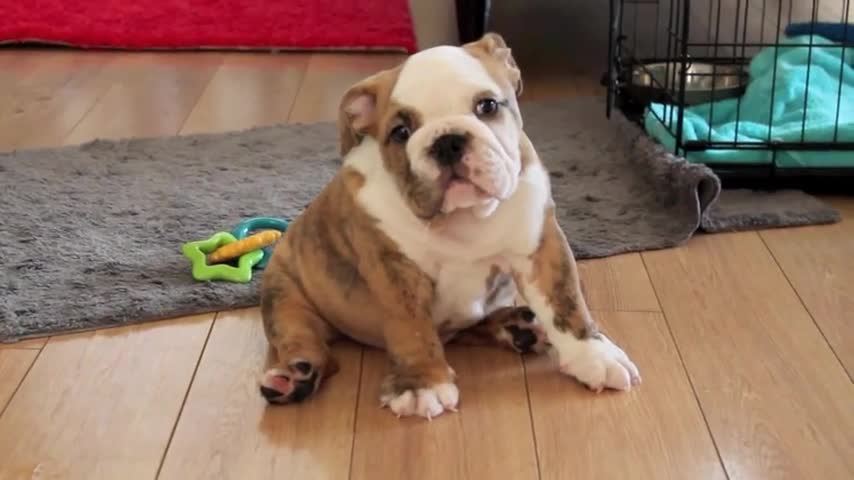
[{"x": 91, "y": 235}]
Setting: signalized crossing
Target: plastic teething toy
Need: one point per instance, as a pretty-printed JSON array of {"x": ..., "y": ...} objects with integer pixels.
[
  {"x": 249, "y": 243},
  {"x": 233, "y": 250},
  {"x": 197, "y": 253},
  {"x": 243, "y": 229}
]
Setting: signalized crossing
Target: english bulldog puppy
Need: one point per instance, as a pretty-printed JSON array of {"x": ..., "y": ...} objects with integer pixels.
[{"x": 438, "y": 227}]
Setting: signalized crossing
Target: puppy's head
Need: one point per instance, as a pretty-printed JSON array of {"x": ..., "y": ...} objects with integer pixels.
[{"x": 447, "y": 123}]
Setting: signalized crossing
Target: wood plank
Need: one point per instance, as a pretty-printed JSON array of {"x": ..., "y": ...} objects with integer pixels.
[
  {"x": 227, "y": 430},
  {"x": 154, "y": 96},
  {"x": 618, "y": 283},
  {"x": 656, "y": 431},
  {"x": 8, "y": 60},
  {"x": 819, "y": 263},
  {"x": 34, "y": 343},
  {"x": 248, "y": 90},
  {"x": 45, "y": 121},
  {"x": 328, "y": 77},
  {"x": 101, "y": 404},
  {"x": 776, "y": 400},
  {"x": 490, "y": 437},
  {"x": 14, "y": 364},
  {"x": 31, "y": 76},
  {"x": 29, "y": 82}
]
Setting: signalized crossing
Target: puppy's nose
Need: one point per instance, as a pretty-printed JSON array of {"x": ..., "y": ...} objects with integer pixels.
[{"x": 448, "y": 149}]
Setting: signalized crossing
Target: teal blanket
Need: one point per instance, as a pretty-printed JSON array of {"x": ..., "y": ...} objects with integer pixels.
[{"x": 758, "y": 121}]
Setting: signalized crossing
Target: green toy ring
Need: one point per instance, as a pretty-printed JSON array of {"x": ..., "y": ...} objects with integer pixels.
[{"x": 244, "y": 228}]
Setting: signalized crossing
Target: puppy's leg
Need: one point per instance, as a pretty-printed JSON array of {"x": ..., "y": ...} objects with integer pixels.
[
  {"x": 300, "y": 338},
  {"x": 548, "y": 279},
  {"x": 420, "y": 381},
  {"x": 516, "y": 328}
]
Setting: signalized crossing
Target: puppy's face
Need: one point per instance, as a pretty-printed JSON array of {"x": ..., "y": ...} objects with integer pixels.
[{"x": 448, "y": 125}]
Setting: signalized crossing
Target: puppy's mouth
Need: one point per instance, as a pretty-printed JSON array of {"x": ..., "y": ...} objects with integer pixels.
[
  {"x": 460, "y": 190},
  {"x": 457, "y": 177}
]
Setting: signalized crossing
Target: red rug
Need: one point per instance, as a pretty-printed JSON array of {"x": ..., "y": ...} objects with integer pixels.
[{"x": 182, "y": 24}]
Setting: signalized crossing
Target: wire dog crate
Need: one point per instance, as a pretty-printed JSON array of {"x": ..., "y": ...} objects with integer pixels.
[{"x": 760, "y": 89}]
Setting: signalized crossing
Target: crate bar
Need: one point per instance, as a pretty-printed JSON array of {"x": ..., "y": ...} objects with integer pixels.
[
  {"x": 613, "y": 55},
  {"x": 847, "y": 11},
  {"x": 743, "y": 40},
  {"x": 813, "y": 17},
  {"x": 774, "y": 72},
  {"x": 700, "y": 145},
  {"x": 744, "y": 29},
  {"x": 708, "y": 43},
  {"x": 737, "y": 23},
  {"x": 681, "y": 65},
  {"x": 694, "y": 59},
  {"x": 736, "y": 60},
  {"x": 834, "y": 179},
  {"x": 752, "y": 44},
  {"x": 699, "y": 74},
  {"x": 683, "y": 75},
  {"x": 714, "y": 67},
  {"x": 677, "y": 63},
  {"x": 635, "y": 11},
  {"x": 657, "y": 25},
  {"x": 668, "y": 55}
]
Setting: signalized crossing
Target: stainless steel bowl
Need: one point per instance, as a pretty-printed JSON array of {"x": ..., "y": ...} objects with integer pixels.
[{"x": 704, "y": 82}]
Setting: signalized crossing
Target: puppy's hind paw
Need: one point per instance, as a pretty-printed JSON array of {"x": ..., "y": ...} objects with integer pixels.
[
  {"x": 291, "y": 385},
  {"x": 526, "y": 334}
]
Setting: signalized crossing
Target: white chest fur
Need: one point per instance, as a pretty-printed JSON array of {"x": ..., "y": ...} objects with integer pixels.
[
  {"x": 462, "y": 256},
  {"x": 461, "y": 294}
]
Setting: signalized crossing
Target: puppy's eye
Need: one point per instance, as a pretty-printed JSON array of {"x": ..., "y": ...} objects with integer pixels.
[
  {"x": 486, "y": 107},
  {"x": 399, "y": 134}
]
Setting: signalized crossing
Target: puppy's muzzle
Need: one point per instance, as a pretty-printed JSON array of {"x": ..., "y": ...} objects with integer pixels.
[{"x": 448, "y": 149}]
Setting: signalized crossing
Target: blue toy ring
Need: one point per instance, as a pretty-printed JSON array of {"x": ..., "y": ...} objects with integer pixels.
[{"x": 244, "y": 228}]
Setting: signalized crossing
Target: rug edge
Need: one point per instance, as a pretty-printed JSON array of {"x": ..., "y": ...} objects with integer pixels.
[{"x": 12, "y": 340}]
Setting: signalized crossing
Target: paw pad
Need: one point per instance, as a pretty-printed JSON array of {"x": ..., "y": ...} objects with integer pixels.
[
  {"x": 526, "y": 334},
  {"x": 527, "y": 314},
  {"x": 523, "y": 339},
  {"x": 303, "y": 367},
  {"x": 292, "y": 385}
]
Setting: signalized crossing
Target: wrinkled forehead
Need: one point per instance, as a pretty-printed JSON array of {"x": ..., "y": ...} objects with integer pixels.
[{"x": 442, "y": 81}]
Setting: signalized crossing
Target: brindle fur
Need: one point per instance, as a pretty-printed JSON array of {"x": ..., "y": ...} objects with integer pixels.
[
  {"x": 556, "y": 275},
  {"x": 333, "y": 258}
]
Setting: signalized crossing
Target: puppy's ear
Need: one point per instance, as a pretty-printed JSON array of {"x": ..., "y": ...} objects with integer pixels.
[
  {"x": 362, "y": 106},
  {"x": 493, "y": 45},
  {"x": 357, "y": 113}
]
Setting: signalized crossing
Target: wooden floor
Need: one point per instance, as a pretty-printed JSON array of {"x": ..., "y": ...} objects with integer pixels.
[{"x": 745, "y": 340}]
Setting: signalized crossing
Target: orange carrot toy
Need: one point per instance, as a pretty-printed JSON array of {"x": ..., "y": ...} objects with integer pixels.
[{"x": 251, "y": 243}]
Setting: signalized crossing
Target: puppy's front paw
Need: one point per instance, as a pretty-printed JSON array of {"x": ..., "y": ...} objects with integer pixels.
[
  {"x": 598, "y": 363},
  {"x": 425, "y": 402}
]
